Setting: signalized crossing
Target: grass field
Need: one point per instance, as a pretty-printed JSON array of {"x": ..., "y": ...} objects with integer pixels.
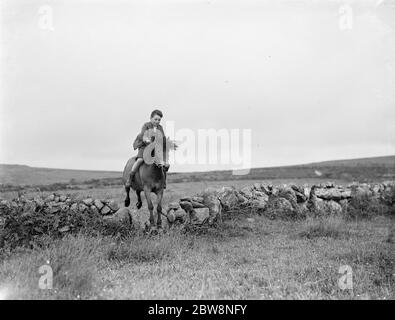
[
  {"x": 248, "y": 257},
  {"x": 243, "y": 259}
]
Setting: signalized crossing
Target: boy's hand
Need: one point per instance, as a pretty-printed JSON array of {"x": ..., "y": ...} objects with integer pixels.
[{"x": 171, "y": 144}]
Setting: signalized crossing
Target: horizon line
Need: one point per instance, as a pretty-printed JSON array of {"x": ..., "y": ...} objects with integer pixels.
[{"x": 252, "y": 168}]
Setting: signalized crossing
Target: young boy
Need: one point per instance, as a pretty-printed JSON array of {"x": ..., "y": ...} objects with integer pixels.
[{"x": 141, "y": 142}]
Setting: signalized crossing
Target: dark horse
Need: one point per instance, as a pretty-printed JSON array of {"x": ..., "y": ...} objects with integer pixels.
[{"x": 149, "y": 178}]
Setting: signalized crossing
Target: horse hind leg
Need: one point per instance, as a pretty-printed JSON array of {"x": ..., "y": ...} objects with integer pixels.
[
  {"x": 139, "y": 202},
  {"x": 159, "y": 209},
  {"x": 127, "y": 200},
  {"x": 147, "y": 193}
]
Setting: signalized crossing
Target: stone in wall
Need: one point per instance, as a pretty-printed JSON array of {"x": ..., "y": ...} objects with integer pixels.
[
  {"x": 228, "y": 198},
  {"x": 301, "y": 193},
  {"x": 200, "y": 216},
  {"x": 213, "y": 204},
  {"x": 122, "y": 215},
  {"x": 333, "y": 193},
  {"x": 98, "y": 204},
  {"x": 88, "y": 202},
  {"x": 105, "y": 210},
  {"x": 113, "y": 205},
  {"x": 279, "y": 207}
]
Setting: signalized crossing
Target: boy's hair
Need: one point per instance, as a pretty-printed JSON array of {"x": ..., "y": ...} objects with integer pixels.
[{"x": 158, "y": 112}]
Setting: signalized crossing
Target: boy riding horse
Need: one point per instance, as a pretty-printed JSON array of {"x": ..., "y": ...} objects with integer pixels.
[{"x": 142, "y": 140}]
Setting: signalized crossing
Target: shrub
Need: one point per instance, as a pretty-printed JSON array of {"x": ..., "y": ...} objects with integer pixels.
[
  {"x": 27, "y": 228},
  {"x": 365, "y": 206}
]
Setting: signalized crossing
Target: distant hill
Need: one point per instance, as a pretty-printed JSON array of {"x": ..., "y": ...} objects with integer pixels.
[
  {"x": 386, "y": 161},
  {"x": 364, "y": 169},
  {"x": 16, "y": 174}
]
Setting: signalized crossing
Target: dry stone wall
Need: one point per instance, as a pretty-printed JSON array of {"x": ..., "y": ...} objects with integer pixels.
[
  {"x": 62, "y": 203},
  {"x": 208, "y": 207},
  {"x": 292, "y": 201}
]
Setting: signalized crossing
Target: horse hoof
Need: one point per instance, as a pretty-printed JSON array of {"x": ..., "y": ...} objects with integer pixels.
[
  {"x": 153, "y": 231},
  {"x": 139, "y": 205},
  {"x": 127, "y": 203}
]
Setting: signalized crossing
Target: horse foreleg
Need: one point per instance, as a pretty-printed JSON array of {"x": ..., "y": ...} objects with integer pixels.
[
  {"x": 147, "y": 193},
  {"x": 159, "y": 209},
  {"x": 139, "y": 202},
  {"x": 127, "y": 200}
]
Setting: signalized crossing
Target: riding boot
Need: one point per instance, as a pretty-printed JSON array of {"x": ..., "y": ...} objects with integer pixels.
[
  {"x": 134, "y": 170},
  {"x": 130, "y": 178},
  {"x": 132, "y": 174}
]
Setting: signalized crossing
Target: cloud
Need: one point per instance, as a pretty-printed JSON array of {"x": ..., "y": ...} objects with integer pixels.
[{"x": 77, "y": 96}]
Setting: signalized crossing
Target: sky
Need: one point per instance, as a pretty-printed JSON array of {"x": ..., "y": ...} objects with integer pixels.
[{"x": 302, "y": 80}]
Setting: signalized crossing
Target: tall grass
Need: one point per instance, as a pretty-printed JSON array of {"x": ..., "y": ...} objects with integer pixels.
[
  {"x": 74, "y": 261},
  {"x": 141, "y": 248},
  {"x": 333, "y": 226}
]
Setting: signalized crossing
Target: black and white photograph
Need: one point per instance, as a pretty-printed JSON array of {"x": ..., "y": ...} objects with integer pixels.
[{"x": 210, "y": 151}]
